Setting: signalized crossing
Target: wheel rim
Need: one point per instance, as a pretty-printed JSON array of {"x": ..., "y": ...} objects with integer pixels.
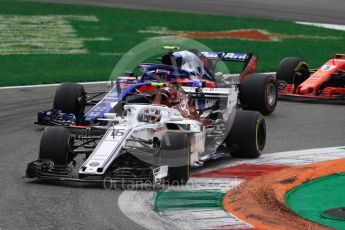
[
  {"x": 261, "y": 136},
  {"x": 271, "y": 94},
  {"x": 80, "y": 104},
  {"x": 301, "y": 77}
]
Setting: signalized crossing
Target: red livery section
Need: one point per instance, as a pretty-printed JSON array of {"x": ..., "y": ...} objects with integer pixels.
[
  {"x": 297, "y": 80},
  {"x": 243, "y": 171}
]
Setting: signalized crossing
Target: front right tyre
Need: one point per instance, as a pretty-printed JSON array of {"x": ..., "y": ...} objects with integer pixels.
[
  {"x": 176, "y": 154},
  {"x": 70, "y": 98}
]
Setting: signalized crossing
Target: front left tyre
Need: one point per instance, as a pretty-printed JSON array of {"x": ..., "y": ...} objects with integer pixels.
[{"x": 55, "y": 145}]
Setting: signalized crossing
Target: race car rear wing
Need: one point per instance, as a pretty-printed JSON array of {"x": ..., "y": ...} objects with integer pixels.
[
  {"x": 249, "y": 60},
  {"x": 225, "y": 56}
]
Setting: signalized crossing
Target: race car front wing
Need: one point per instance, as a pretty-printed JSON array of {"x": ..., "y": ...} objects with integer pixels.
[{"x": 49, "y": 171}]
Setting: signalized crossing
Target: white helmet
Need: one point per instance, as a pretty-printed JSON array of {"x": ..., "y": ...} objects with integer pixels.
[{"x": 189, "y": 62}]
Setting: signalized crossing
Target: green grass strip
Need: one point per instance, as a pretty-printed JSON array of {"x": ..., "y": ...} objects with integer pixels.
[
  {"x": 312, "y": 198},
  {"x": 182, "y": 200},
  {"x": 92, "y": 45}
]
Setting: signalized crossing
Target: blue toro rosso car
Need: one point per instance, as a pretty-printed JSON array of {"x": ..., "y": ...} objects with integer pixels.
[{"x": 192, "y": 71}]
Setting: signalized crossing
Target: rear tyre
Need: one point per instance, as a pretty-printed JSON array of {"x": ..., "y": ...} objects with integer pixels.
[
  {"x": 55, "y": 145},
  {"x": 70, "y": 98},
  {"x": 293, "y": 70},
  {"x": 175, "y": 154},
  {"x": 248, "y": 133},
  {"x": 259, "y": 92}
]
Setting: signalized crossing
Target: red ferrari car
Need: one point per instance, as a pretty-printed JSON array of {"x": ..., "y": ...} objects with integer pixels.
[{"x": 295, "y": 79}]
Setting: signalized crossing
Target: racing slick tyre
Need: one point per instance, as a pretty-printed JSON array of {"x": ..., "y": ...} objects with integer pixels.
[
  {"x": 175, "y": 154},
  {"x": 55, "y": 145},
  {"x": 248, "y": 133},
  {"x": 293, "y": 70},
  {"x": 259, "y": 92},
  {"x": 70, "y": 98}
]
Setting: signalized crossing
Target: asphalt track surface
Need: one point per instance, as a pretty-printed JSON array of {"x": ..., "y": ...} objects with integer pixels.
[
  {"x": 32, "y": 205},
  {"x": 330, "y": 11}
]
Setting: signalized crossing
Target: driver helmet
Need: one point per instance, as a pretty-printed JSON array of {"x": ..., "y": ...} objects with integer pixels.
[
  {"x": 162, "y": 98},
  {"x": 151, "y": 115},
  {"x": 189, "y": 62}
]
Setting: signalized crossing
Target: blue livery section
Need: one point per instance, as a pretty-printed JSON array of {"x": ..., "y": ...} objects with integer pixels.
[
  {"x": 164, "y": 73},
  {"x": 150, "y": 67},
  {"x": 109, "y": 102},
  {"x": 102, "y": 107}
]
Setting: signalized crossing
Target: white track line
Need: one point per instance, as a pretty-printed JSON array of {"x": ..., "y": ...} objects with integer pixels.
[
  {"x": 51, "y": 85},
  {"x": 205, "y": 219},
  {"x": 324, "y": 25},
  {"x": 139, "y": 205},
  {"x": 291, "y": 158}
]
